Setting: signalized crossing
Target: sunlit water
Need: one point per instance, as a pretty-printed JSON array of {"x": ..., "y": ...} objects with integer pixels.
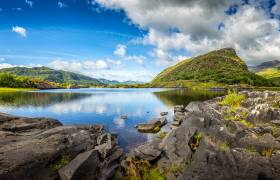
[{"x": 102, "y": 106}]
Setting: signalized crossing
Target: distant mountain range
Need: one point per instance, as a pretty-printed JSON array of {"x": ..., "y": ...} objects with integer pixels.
[
  {"x": 221, "y": 66},
  {"x": 61, "y": 77},
  {"x": 114, "y": 82},
  {"x": 265, "y": 65},
  {"x": 51, "y": 75}
]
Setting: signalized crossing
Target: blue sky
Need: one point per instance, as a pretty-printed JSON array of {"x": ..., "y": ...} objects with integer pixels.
[{"x": 133, "y": 39}]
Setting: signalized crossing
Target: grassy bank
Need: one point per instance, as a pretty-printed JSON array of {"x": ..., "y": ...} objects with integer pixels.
[{"x": 4, "y": 89}]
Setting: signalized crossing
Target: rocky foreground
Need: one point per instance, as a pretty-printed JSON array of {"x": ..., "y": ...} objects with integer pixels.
[
  {"x": 235, "y": 137},
  {"x": 42, "y": 148},
  {"x": 231, "y": 137}
]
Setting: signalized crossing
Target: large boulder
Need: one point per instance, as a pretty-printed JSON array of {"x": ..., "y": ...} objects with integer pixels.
[{"x": 36, "y": 148}]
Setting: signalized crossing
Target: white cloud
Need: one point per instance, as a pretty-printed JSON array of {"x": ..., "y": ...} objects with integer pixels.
[
  {"x": 5, "y": 65},
  {"x": 84, "y": 66},
  {"x": 61, "y": 4},
  {"x": 120, "y": 50},
  {"x": 192, "y": 26},
  {"x": 30, "y": 3},
  {"x": 2, "y": 59},
  {"x": 137, "y": 59},
  {"x": 99, "y": 64},
  {"x": 20, "y": 30}
]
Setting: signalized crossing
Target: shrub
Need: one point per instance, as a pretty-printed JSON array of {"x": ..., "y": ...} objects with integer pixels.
[
  {"x": 162, "y": 134},
  {"x": 63, "y": 161},
  {"x": 267, "y": 152},
  {"x": 233, "y": 99}
]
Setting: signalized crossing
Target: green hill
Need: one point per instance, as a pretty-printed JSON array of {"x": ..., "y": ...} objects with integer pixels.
[
  {"x": 220, "y": 66},
  {"x": 269, "y": 70},
  {"x": 51, "y": 75}
]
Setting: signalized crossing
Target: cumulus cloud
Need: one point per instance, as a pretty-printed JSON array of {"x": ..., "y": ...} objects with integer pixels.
[
  {"x": 194, "y": 26},
  {"x": 121, "y": 52},
  {"x": 20, "y": 30},
  {"x": 79, "y": 66},
  {"x": 108, "y": 69},
  {"x": 30, "y": 3}
]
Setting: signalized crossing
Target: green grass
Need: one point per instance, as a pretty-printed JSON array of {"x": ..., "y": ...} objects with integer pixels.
[
  {"x": 16, "y": 89},
  {"x": 270, "y": 73},
  {"x": 233, "y": 100},
  {"x": 63, "y": 161},
  {"x": 154, "y": 174}
]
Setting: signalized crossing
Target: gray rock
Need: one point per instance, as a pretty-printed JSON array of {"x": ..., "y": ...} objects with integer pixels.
[
  {"x": 226, "y": 149},
  {"x": 276, "y": 122},
  {"x": 84, "y": 165},
  {"x": 164, "y": 113},
  {"x": 152, "y": 125},
  {"x": 179, "y": 108},
  {"x": 33, "y": 148},
  {"x": 148, "y": 151}
]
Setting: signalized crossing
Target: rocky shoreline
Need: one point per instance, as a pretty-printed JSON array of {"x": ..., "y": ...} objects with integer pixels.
[
  {"x": 232, "y": 137},
  {"x": 41, "y": 148},
  {"x": 215, "y": 139}
]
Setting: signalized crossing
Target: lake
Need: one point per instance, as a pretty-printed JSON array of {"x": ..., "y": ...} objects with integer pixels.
[{"x": 103, "y": 106}]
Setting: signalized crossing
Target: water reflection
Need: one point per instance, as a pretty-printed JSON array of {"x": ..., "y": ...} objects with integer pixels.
[
  {"x": 37, "y": 99},
  {"x": 101, "y": 106},
  {"x": 185, "y": 96}
]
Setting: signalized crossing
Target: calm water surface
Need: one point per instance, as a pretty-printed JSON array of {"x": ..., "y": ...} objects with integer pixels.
[{"x": 102, "y": 106}]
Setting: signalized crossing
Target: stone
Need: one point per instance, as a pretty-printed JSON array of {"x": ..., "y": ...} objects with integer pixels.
[
  {"x": 164, "y": 113},
  {"x": 36, "y": 148},
  {"x": 149, "y": 151},
  {"x": 153, "y": 125},
  {"x": 84, "y": 166},
  {"x": 179, "y": 108}
]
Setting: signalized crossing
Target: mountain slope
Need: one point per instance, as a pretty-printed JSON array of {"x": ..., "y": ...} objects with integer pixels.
[
  {"x": 269, "y": 70},
  {"x": 222, "y": 66},
  {"x": 51, "y": 75},
  {"x": 268, "y": 64}
]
